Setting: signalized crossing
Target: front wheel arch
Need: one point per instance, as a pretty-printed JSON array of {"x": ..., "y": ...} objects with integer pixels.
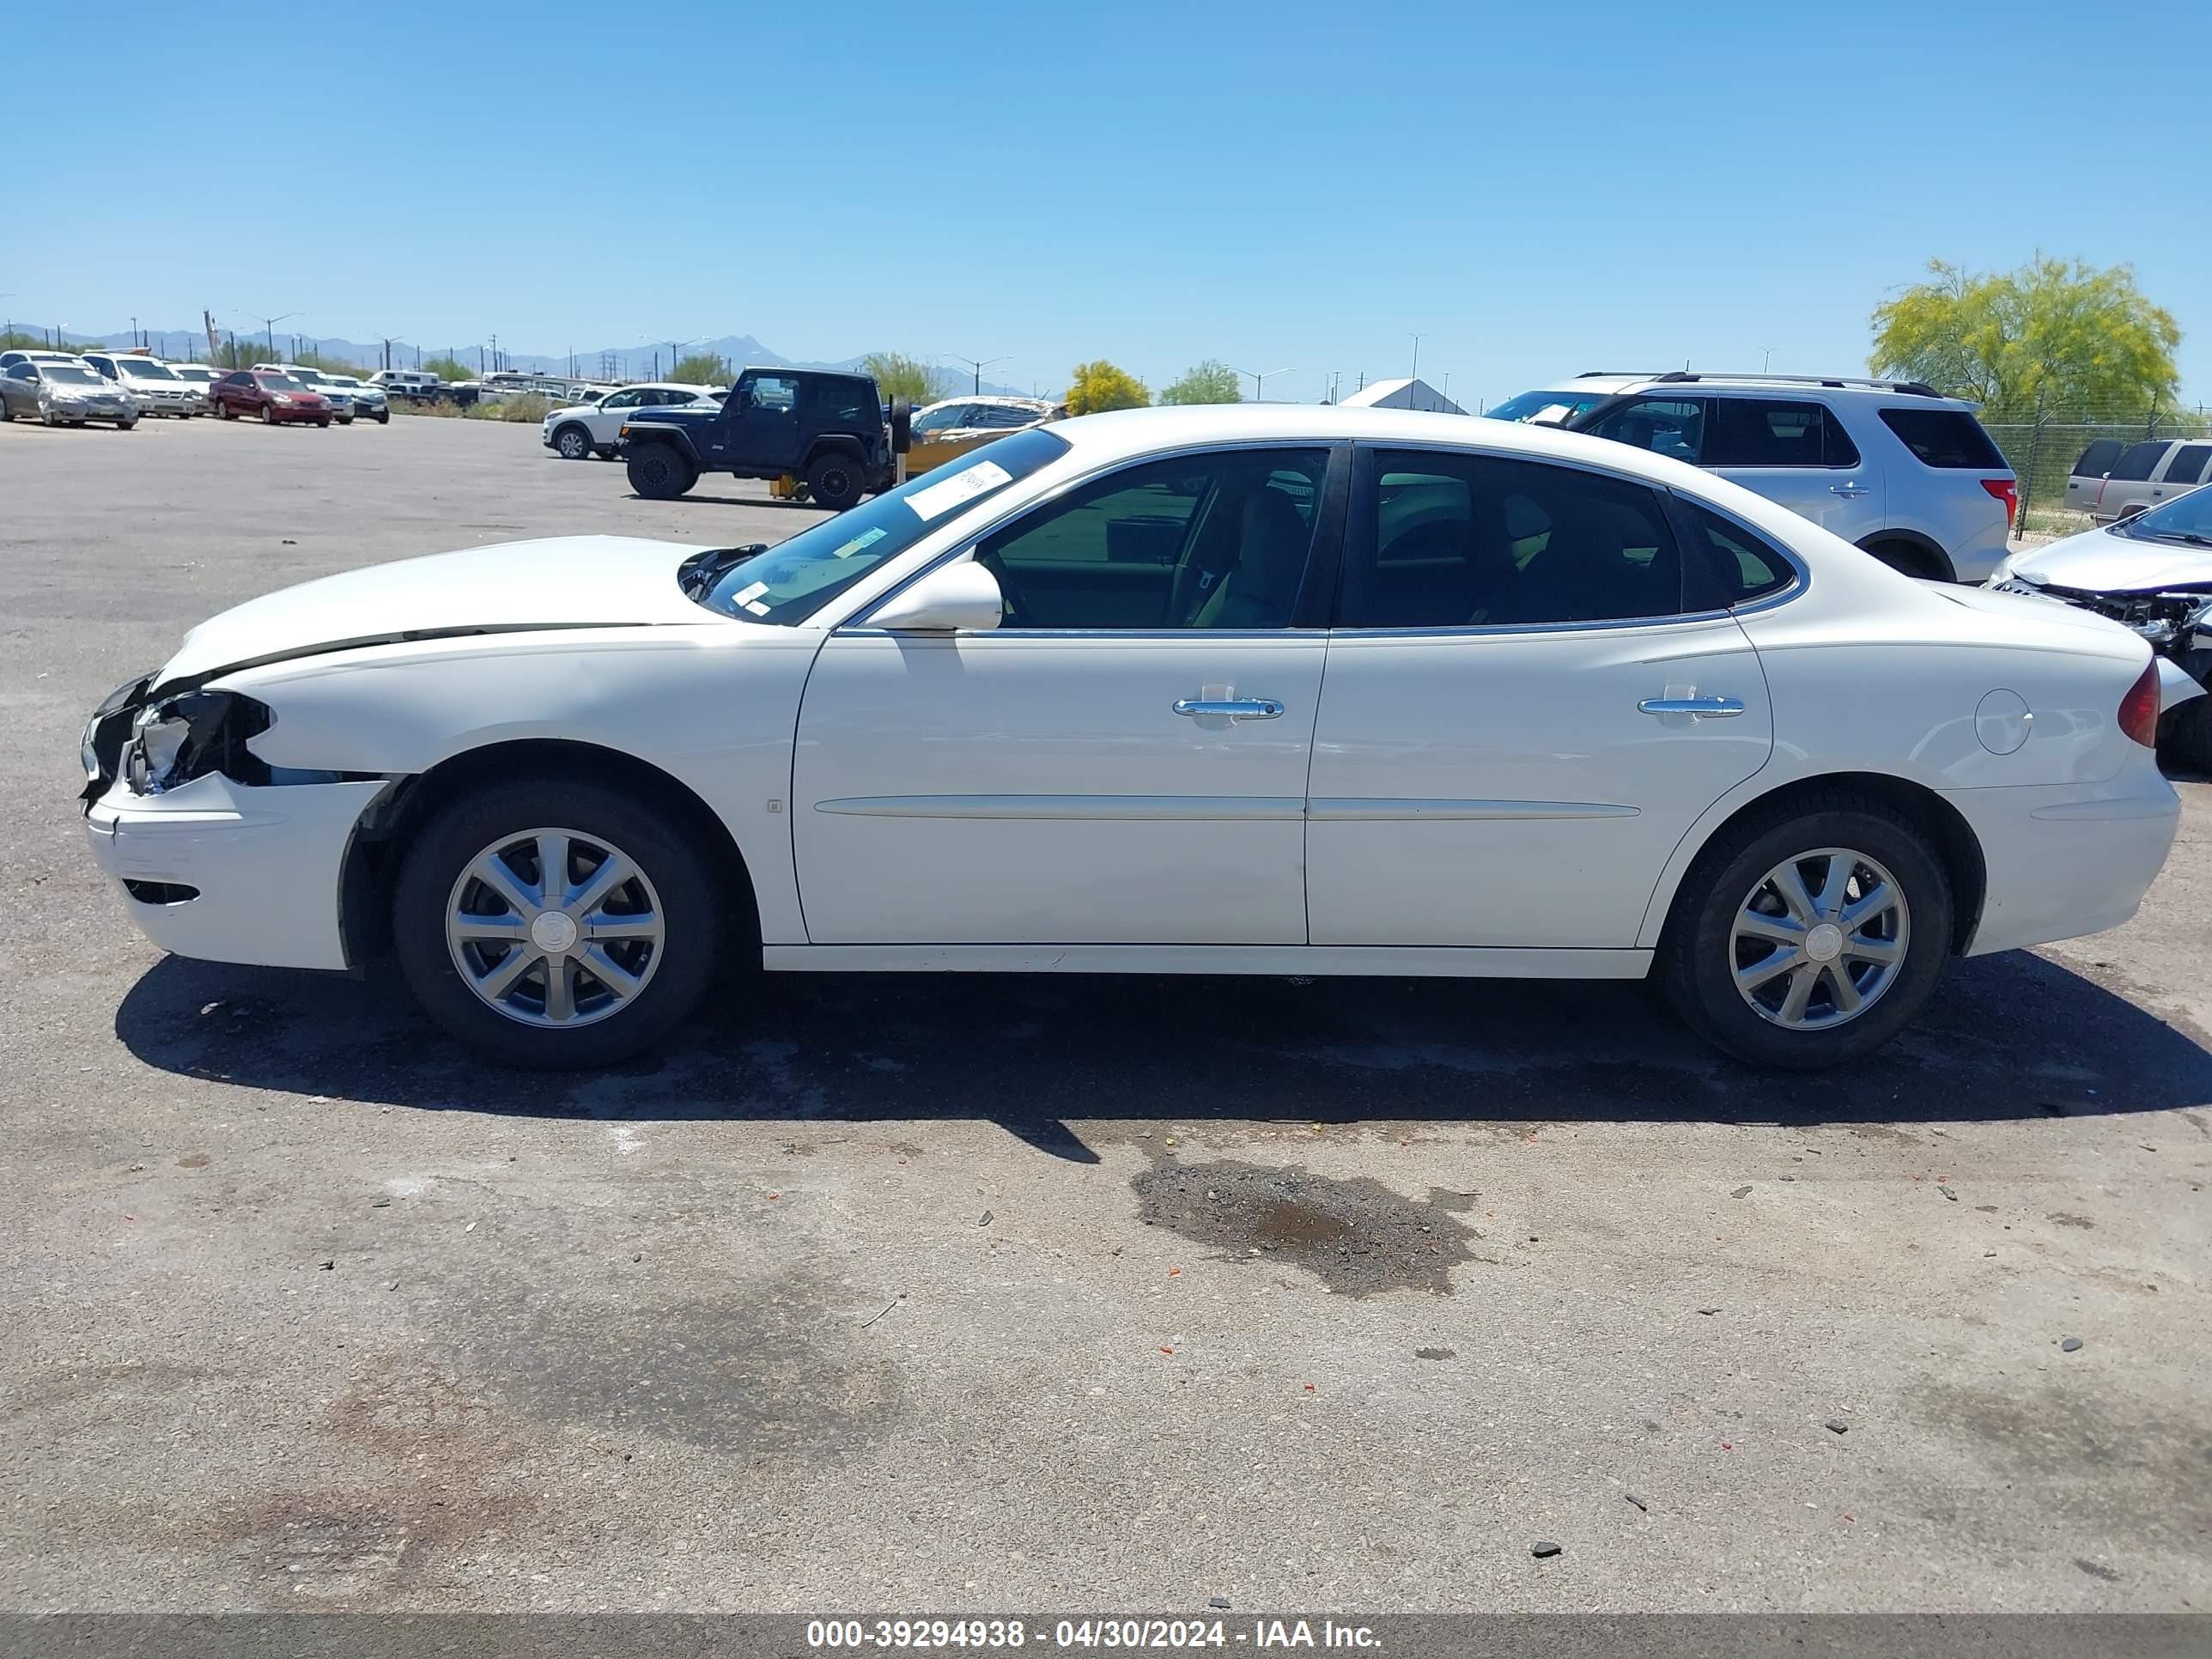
[
  {"x": 1946, "y": 828},
  {"x": 372, "y": 856}
]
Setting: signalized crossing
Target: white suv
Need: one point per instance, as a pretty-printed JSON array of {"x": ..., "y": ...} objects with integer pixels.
[
  {"x": 1894, "y": 465},
  {"x": 586, "y": 429}
]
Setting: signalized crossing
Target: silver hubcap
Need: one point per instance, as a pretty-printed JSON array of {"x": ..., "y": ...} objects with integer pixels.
[
  {"x": 554, "y": 927},
  {"x": 1819, "y": 938}
]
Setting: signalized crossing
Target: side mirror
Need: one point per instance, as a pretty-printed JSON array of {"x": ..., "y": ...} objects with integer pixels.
[{"x": 949, "y": 598}]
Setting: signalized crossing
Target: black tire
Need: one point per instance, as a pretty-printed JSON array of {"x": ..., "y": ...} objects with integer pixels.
[
  {"x": 660, "y": 472},
  {"x": 129, "y": 425},
  {"x": 572, "y": 442},
  {"x": 2189, "y": 735},
  {"x": 689, "y": 897},
  {"x": 268, "y": 414},
  {"x": 1696, "y": 964},
  {"x": 836, "y": 480},
  {"x": 324, "y": 424},
  {"x": 383, "y": 417},
  {"x": 220, "y": 410}
]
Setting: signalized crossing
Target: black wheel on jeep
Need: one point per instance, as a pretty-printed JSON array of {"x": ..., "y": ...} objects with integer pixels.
[
  {"x": 836, "y": 480},
  {"x": 659, "y": 472}
]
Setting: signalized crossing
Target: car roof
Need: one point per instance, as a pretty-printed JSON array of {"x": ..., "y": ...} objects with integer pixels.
[{"x": 1610, "y": 382}]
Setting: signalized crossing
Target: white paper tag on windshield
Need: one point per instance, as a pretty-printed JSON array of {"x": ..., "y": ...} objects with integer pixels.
[
  {"x": 1550, "y": 415},
  {"x": 749, "y": 598},
  {"x": 860, "y": 543},
  {"x": 941, "y": 499}
]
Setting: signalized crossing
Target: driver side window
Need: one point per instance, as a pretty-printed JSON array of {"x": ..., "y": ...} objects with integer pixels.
[{"x": 1217, "y": 540}]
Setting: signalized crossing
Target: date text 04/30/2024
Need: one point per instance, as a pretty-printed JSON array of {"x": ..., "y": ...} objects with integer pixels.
[{"x": 1085, "y": 1635}]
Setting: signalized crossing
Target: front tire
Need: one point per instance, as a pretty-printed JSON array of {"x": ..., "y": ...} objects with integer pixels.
[
  {"x": 659, "y": 472},
  {"x": 609, "y": 966},
  {"x": 836, "y": 481},
  {"x": 1809, "y": 935},
  {"x": 268, "y": 414},
  {"x": 571, "y": 443}
]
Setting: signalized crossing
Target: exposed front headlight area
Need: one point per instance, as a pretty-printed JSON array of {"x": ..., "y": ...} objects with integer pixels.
[{"x": 176, "y": 739}]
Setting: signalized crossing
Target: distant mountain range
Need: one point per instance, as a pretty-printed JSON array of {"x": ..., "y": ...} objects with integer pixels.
[{"x": 627, "y": 363}]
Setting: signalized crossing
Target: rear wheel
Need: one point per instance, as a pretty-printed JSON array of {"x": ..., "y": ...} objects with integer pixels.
[
  {"x": 2189, "y": 736},
  {"x": 1912, "y": 560},
  {"x": 836, "y": 481},
  {"x": 660, "y": 472},
  {"x": 1808, "y": 936},
  {"x": 557, "y": 924}
]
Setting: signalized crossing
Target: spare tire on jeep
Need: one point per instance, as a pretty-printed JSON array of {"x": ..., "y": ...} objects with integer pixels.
[{"x": 659, "y": 472}]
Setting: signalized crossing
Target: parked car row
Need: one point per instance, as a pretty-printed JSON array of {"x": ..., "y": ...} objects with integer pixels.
[
  {"x": 2112, "y": 480},
  {"x": 67, "y": 388}
]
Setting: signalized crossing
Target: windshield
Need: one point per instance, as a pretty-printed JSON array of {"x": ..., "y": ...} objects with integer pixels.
[
  {"x": 2184, "y": 519},
  {"x": 139, "y": 369},
  {"x": 202, "y": 375},
  {"x": 1548, "y": 408},
  {"x": 789, "y": 582},
  {"x": 309, "y": 377},
  {"x": 279, "y": 383},
  {"x": 69, "y": 374},
  {"x": 346, "y": 381}
]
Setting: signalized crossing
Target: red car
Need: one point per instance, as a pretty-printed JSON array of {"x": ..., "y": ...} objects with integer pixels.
[{"x": 275, "y": 398}]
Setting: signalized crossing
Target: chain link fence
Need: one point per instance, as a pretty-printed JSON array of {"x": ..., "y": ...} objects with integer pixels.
[{"x": 2043, "y": 453}]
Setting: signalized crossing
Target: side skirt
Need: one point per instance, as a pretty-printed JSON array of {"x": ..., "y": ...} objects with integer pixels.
[{"x": 1485, "y": 961}]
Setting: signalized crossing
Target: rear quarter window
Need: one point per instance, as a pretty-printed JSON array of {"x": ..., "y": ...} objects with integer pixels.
[
  {"x": 2187, "y": 466},
  {"x": 2097, "y": 459},
  {"x": 1949, "y": 438}
]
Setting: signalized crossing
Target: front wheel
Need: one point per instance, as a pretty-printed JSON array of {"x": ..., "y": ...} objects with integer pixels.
[
  {"x": 1808, "y": 936},
  {"x": 836, "y": 481},
  {"x": 383, "y": 417},
  {"x": 659, "y": 472},
  {"x": 324, "y": 424},
  {"x": 557, "y": 924},
  {"x": 127, "y": 426},
  {"x": 268, "y": 414},
  {"x": 571, "y": 443}
]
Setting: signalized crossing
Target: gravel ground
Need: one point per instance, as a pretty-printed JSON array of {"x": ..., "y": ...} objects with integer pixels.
[{"x": 1082, "y": 1294}]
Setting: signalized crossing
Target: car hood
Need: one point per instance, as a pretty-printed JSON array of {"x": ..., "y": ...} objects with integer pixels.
[
  {"x": 2106, "y": 561},
  {"x": 574, "y": 581}
]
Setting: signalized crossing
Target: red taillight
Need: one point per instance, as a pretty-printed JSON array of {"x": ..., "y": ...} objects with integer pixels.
[
  {"x": 2008, "y": 491},
  {"x": 2139, "y": 709}
]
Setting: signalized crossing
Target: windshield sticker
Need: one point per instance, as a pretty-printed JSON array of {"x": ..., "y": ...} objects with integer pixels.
[
  {"x": 1552, "y": 414},
  {"x": 867, "y": 539},
  {"x": 749, "y": 599},
  {"x": 941, "y": 499}
]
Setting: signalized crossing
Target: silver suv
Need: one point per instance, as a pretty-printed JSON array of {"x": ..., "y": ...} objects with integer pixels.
[{"x": 1894, "y": 465}]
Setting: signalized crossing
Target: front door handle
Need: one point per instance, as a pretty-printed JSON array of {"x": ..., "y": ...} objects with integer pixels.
[
  {"x": 1710, "y": 708},
  {"x": 1235, "y": 709},
  {"x": 1847, "y": 490}
]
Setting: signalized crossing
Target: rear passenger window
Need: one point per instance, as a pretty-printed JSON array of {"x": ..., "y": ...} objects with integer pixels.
[
  {"x": 839, "y": 401},
  {"x": 2097, "y": 459},
  {"x": 1665, "y": 426},
  {"x": 1760, "y": 432},
  {"x": 1727, "y": 563},
  {"x": 1459, "y": 541},
  {"x": 1946, "y": 438},
  {"x": 2139, "y": 461},
  {"x": 2187, "y": 466}
]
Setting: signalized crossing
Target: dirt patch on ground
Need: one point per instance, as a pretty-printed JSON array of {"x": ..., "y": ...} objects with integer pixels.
[{"x": 1359, "y": 1237}]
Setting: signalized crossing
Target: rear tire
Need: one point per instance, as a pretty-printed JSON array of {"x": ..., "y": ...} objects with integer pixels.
[
  {"x": 660, "y": 472},
  {"x": 836, "y": 481},
  {"x": 675, "y": 884},
  {"x": 2189, "y": 736},
  {"x": 1730, "y": 914}
]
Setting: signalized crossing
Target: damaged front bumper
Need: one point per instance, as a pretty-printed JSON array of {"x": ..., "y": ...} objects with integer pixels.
[
  {"x": 226, "y": 872},
  {"x": 220, "y": 855}
]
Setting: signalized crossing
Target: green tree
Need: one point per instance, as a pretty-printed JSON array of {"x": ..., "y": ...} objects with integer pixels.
[
  {"x": 2029, "y": 342},
  {"x": 448, "y": 369},
  {"x": 1100, "y": 385},
  {"x": 699, "y": 369},
  {"x": 897, "y": 375},
  {"x": 1211, "y": 382}
]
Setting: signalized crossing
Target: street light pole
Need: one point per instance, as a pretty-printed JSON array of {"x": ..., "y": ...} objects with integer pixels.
[
  {"x": 977, "y": 365},
  {"x": 1261, "y": 381},
  {"x": 269, "y": 326}
]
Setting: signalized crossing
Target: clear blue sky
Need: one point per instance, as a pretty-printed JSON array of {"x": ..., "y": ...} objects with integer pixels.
[{"x": 1537, "y": 189}]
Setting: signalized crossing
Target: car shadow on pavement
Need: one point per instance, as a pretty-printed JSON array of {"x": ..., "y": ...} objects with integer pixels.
[{"x": 2009, "y": 1036}]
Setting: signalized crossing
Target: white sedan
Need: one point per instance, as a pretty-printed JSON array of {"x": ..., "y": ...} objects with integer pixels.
[{"x": 1272, "y": 690}]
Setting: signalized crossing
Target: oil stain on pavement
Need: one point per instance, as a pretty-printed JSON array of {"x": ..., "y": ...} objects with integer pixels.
[{"x": 1358, "y": 1237}]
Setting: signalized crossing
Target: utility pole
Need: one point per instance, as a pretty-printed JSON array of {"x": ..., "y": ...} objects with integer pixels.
[
  {"x": 977, "y": 366},
  {"x": 1261, "y": 380},
  {"x": 1417, "y": 358}
]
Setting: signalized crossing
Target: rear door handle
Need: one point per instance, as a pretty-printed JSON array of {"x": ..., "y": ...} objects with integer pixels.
[
  {"x": 1710, "y": 708},
  {"x": 1235, "y": 709},
  {"x": 1847, "y": 489}
]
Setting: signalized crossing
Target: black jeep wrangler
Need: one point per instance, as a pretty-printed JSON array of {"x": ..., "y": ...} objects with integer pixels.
[{"x": 827, "y": 432}]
